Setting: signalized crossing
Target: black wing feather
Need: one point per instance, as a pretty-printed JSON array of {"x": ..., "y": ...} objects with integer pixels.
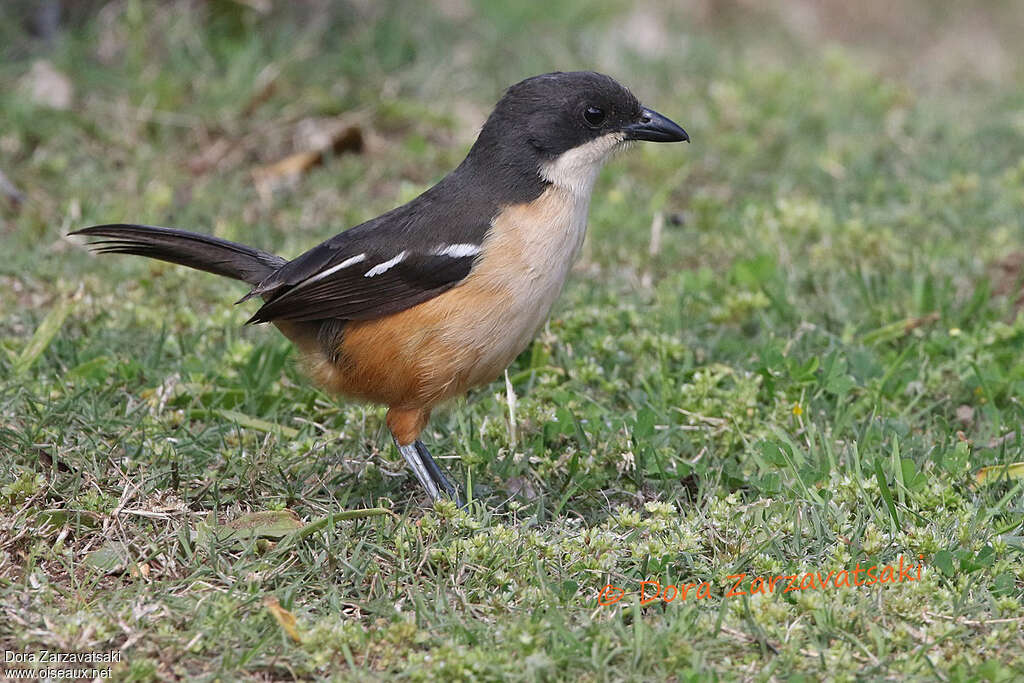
[
  {"x": 300, "y": 290},
  {"x": 349, "y": 295}
]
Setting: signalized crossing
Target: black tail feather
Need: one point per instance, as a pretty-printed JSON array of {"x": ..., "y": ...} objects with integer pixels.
[{"x": 191, "y": 249}]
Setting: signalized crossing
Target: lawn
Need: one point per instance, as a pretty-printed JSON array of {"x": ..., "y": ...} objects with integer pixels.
[{"x": 791, "y": 351}]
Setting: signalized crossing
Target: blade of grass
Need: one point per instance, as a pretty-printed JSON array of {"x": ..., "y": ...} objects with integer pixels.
[
  {"x": 256, "y": 423},
  {"x": 44, "y": 334},
  {"x": 883, "y": 486}
]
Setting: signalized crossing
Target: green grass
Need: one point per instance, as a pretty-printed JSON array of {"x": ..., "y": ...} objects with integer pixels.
[{"x": 804, "y": 376}]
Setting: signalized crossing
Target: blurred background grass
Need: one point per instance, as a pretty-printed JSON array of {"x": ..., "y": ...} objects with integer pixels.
[{"x": 819, "y": 295}]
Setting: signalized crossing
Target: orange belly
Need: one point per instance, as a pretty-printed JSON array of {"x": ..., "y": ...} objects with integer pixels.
[{"x": 429, "y": 353}]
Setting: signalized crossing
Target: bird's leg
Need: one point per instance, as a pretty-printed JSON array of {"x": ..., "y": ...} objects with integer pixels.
[
  {"x": 437, "y": 474},
  {"x": 412, "y": 456},
  {"x": 405, "y": 425}
]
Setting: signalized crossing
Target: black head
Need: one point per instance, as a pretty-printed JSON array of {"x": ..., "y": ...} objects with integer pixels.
[{"x": 541, "y": 118}]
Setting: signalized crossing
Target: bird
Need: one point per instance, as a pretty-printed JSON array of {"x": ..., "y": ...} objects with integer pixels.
[{"x": 439, "y": 295}]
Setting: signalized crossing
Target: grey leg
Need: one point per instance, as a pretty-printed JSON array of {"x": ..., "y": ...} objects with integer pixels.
[
  {"x": 429, "y": 474},
  {"x": 419, "y": 468},
  {"x": 440, "y": 480}
]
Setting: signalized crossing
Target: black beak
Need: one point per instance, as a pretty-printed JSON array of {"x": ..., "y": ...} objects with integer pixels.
[{"x": 654, "y": 127}]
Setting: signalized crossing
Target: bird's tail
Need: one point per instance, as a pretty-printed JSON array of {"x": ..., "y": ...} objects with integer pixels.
[{"x": 191, "y": 249}]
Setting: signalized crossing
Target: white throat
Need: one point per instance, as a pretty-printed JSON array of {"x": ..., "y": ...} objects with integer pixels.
[
  {"x": 572, "y": 176},
  {"x": 577, "y": 169}
]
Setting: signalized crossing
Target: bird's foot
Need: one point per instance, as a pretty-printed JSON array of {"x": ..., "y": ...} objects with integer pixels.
[
  {"x": 429, "y": 474},
  {"x": 437, "y": 474}
]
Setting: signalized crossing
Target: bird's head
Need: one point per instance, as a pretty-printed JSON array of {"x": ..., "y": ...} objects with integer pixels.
[{"x": 564, "y": 126}]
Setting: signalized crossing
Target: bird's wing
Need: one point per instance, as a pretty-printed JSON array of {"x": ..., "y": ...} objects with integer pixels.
[{"x": 376, "y": 269}]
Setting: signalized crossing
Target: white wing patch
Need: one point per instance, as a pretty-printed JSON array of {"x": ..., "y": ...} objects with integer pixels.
[
  {"x": 457, "y": 250},
  {"x": 333, "y": 269},
  {"x": 386, "y": 266}
]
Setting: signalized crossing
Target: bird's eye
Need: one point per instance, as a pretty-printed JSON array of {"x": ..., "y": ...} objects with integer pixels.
[{"x": 594, "y": 116}]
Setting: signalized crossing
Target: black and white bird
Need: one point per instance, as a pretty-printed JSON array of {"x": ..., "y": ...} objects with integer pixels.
[{"x": 438, "y": 295}]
